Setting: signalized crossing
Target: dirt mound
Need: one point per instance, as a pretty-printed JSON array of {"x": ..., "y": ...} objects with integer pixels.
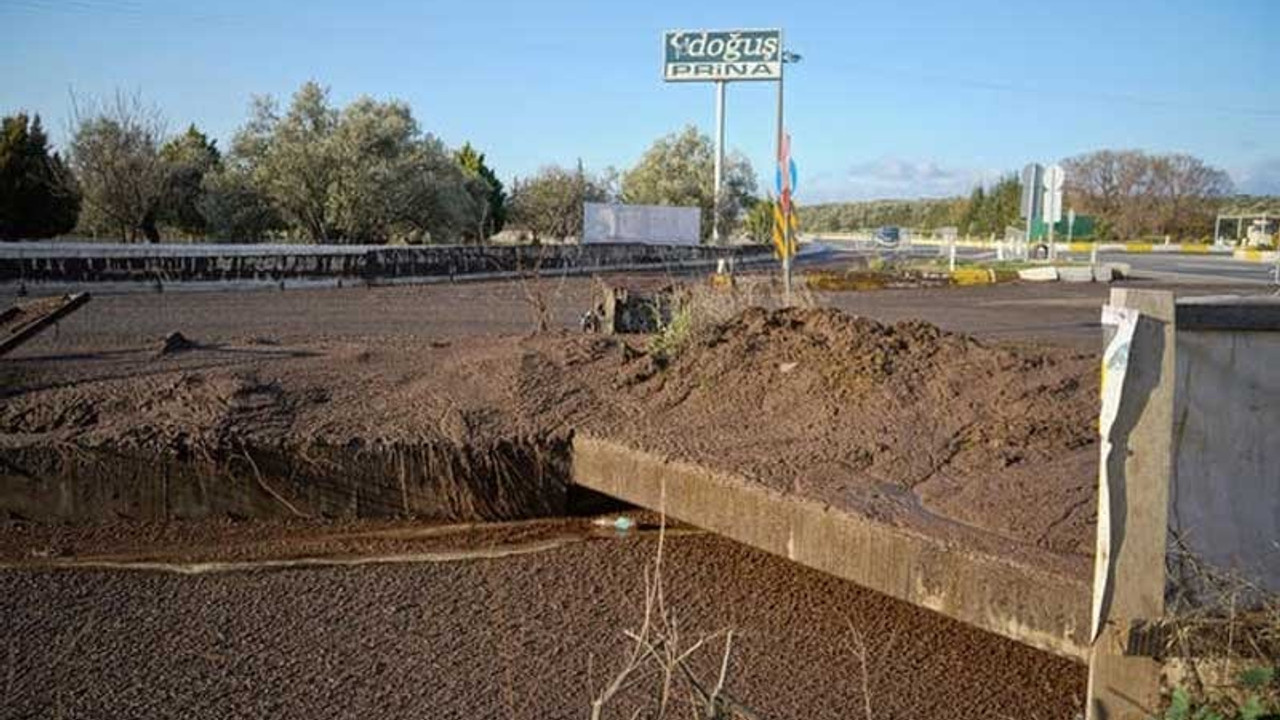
[
  {"x": 884, "y": 418},
  {"x": 904, "y": 422}
]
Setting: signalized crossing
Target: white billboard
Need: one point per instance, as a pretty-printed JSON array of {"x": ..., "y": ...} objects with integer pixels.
[{"x": 648, "y": 224}]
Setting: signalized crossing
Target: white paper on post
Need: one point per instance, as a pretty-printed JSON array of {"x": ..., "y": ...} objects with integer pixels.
[{"x": 1115, "y": 366}]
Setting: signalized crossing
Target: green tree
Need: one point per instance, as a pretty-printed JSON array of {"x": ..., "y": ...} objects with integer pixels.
[
  {"x": 189, "y": 157},
  {"x": 973, "y": 209},
  {"x": 679, "y": 169},
  {"x": 291, "y": 158},
  {"x": 1006, "y": 202},
  {"x": 991, "y": 210},
  {"x": 549, "y": 204},
  {"x": 758, "y": 223},
  {"x": 234, "y": 209},
  {"x": 38, "y": 195},
  {"x": 115, "y": 154},
  {"x": 493, "y": 214},
  {"x": 366, "y": 173}
]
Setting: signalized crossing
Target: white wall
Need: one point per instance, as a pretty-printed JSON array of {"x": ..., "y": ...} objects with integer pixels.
[{"x": 649, "y": 224}]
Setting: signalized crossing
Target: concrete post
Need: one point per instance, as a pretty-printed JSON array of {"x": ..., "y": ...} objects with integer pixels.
[{"x": 1129, "y": 568}]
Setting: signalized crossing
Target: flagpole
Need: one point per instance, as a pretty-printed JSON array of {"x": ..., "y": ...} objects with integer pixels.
[{"x": 786, "y": 222}]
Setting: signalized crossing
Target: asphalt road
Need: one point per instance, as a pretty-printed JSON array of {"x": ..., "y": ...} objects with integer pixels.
[
  {"x": 1197, "y": 269},
  {"x": 1160, "y": 267}
]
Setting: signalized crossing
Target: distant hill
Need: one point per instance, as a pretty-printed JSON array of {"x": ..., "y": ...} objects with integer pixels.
[{"x": 921, "y": 214}]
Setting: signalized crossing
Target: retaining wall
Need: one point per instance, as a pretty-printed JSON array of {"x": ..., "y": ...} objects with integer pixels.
[
  {"x": 1024, "y": 602},
  {"x": 79, "y": 263}
]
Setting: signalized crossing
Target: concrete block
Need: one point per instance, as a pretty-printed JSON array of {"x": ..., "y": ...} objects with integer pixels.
[
  {"x": 1039, "y": 274},
  {"x": 1075, "y": 273}
]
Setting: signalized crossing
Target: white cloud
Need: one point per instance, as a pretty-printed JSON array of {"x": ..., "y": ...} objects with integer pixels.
[
  {"x": 1262, "y": 178},
  {"x": 895, "y": 177}
]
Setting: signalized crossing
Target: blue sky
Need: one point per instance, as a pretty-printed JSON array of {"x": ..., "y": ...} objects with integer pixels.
[{"x": 892, "y": 99}]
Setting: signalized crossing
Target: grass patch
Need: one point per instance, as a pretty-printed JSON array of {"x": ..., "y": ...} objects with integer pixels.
[{"x": 1221, "y": 642}]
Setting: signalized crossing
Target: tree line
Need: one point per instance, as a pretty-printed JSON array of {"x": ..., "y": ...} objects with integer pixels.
[
  {"x": 1137, "y": 194},
  {"x": 678, "y": 169},
  {"x": 1130, "y": 193},
  {"x": 369, "y": 173},
  {"x": 311, "y": 171}
]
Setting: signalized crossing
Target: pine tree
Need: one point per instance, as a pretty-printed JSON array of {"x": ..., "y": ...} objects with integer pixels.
[
  {"x": 474, "y": 164},
  {"x": 971, "y": 218},
  {"x": 38, "y": 195},
  {"x": 189, "y": 156}
]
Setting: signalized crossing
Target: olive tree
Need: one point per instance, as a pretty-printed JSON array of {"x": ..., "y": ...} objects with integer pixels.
[
  {"x": 549, "y": 204},
  {"x": 679, "y": 169},
  {"x": 290, "y": 158},
  {"x": 234, "y": 209},
  {"x": 365, "y": 173}
]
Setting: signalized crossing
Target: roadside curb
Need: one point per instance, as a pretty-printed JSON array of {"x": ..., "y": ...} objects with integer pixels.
[
  {"x": 1106, "y": 272},
  {"x": 1084, "y": 248},
  {"x": 1257, "y": 256}
]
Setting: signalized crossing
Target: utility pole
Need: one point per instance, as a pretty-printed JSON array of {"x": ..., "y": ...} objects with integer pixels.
[
  {"x": 786, "y": 222},
  {"x": 719, "y": 172}
]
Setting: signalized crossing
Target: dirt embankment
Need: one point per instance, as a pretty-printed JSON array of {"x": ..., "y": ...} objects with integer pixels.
[
  {"x": 902, "y": 422},
  {"x": 884, "y": 418}
]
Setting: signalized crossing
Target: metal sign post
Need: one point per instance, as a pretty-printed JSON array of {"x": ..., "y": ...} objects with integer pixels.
[
  {"x": 1032, "y": 180},
  {"x": 724, "y": 56},
  {"x": 1053, "y": 181},
  {"x": 719, "y": 167}
]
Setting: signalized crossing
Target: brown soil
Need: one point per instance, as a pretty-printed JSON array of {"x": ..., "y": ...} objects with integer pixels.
[
  {"x": 979, "y": 443},
  {"x": 523, "y": 636},
  {"x": 888, "y": 420},
  {"x": 904, "y": 422},
  {"x": 15, "y": 316}
]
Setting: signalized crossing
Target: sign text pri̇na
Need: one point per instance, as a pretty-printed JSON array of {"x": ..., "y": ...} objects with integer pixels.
[{"x": 705, "y": 55}]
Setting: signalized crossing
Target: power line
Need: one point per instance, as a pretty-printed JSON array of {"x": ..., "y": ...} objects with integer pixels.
[{"x": 1058, "y": 94}]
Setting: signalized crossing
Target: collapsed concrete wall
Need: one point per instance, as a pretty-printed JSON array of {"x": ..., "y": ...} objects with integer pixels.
[
  {"x": 1188, "y": 509},
  {"x": 88, "y": 263}
]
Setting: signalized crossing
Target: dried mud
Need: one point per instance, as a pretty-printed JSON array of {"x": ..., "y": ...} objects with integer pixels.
[{"x": 902, "y": 422}]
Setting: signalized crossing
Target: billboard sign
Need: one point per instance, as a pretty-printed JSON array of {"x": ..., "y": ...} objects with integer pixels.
[
  {"x": 647, "y": 224},
  {"x": 709, "y": 55}
]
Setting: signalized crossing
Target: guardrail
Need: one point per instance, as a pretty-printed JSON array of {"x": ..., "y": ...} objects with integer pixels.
[{"x": 257, "y": 265}]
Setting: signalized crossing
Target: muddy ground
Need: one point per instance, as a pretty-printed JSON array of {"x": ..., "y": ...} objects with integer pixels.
[
  {"x": 1058, "y": 313},
  {"x": 461, "y": 639},
  {"x": 534, "y": 635},
  {"x": 904, "y": 423}
]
